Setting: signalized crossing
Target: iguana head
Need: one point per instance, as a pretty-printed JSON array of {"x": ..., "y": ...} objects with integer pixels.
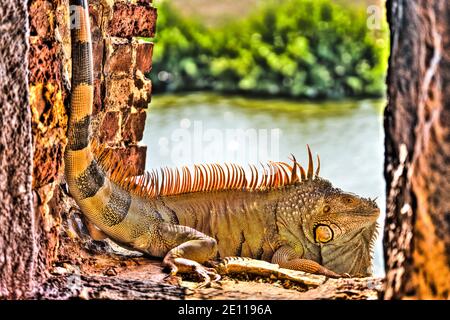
[
  {"x": 339, "y": 226},
  {"x": 336, "y": 216}
]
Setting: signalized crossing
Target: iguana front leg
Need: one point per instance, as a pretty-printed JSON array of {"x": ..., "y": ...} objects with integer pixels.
[
  {"x": 190, "y": 249},
  {"x": 286, "y": 257}
]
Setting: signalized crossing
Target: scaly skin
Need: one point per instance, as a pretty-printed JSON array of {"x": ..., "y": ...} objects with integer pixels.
[{"x": 301, "y": 224}]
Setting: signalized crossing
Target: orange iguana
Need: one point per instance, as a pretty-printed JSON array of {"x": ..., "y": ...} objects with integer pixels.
[{"x": 287, "y": 215}]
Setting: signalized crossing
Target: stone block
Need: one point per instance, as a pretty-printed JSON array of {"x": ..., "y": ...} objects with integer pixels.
[
  {"x": 44, "y": 61},
  {"x": 144, "y": 53},
  {"x": 133, "y": 126},
  {"x": 110, "y": 127},
  {"x": 142, "y": 91},
  {"x": 118, "y": 94},
  {"x": 132, "y": 20},
  {"x": 99, "y": 95},
  {"x": 133, "y": 156},
  {"x": 48, "y": 126},
  {"x": 119, "y": 58}
]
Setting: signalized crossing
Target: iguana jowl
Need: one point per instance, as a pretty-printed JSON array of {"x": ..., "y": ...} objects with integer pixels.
[{"x": 287, "y": 215}]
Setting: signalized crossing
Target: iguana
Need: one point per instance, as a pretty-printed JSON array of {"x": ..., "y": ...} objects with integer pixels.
[{"x": 287, "y": 215}]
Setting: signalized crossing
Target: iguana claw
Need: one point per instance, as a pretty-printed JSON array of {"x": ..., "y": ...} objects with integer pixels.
[
  {"x": 346, "y": 275},
  {"x": 208, "y": 275},
  {"x": 205, "y": 274}
]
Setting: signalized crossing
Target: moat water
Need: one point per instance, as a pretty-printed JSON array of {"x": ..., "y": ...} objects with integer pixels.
[{"x": 204, "y": 128}]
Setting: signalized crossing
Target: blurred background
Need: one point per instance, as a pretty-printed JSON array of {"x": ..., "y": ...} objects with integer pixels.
[{"x": 256, "y": 80}]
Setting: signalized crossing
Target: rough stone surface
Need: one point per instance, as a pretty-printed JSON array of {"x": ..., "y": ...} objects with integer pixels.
[
  {"x": 133, "y": 155},
  {"x": 49, "y": 92},
  {"x": 110, "y": 127},
  {"x": 99, "y": 97},
  {"x": 417, "y": 166},
  {"x": 45, "y": 62},
  {"x": 48, "y": 96},
  {"x": 41, "y": 18},
  {"x": 117, "y": 85},
  {"x": 144, "y": 52},
  {"x": 131, "y": 20},
  {"x": 134, "y": 125},
  {"x": 119, "y": 94},
  {"x": 143, "y": 91},
  {"x": 119, "y": 62},
  {"x": 17, "y": 243}
]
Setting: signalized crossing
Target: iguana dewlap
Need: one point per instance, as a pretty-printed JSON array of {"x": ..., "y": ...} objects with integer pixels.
[{"x": 287, "y": 215}]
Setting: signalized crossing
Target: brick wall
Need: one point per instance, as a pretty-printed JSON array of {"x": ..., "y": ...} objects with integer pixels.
[{"x": 122, "y": 93}]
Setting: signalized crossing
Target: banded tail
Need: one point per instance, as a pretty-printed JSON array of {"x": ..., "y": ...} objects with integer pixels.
[{"x": 90, "y": 187}]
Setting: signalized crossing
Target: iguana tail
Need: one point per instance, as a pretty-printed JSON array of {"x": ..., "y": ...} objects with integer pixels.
[{"x": 87, "y": 181}]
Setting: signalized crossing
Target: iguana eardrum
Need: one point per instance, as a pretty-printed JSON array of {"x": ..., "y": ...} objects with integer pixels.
[{"x": 287, "y": 215}]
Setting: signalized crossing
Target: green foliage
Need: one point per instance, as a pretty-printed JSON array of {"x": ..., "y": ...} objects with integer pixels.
[{"x": 296, "y": 48}]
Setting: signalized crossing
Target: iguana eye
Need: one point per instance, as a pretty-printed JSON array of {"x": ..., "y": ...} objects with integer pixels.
[
  {"x": 323, "y": 233},
  {"x": 326, "y": 209}
]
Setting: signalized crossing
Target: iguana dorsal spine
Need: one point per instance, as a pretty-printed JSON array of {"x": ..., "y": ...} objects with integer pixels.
[{"x": 203, "y": 177}]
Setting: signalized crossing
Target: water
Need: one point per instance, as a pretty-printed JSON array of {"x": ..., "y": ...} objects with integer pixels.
[{"x": 348, "y": 136}]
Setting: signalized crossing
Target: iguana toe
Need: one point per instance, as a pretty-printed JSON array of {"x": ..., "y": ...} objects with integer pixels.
[{"x": 208, "y": 276}]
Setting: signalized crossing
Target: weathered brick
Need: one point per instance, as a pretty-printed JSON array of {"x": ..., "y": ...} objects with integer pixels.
[
  {"x": 97, "y": 55},
  {"x": 120, "y": 87},
  {"x": 110, "y": 127},
  {"x": 95, "y": 15},
  {"x": 118, "y": 93},
  {"x": 132, "y": 20},
  {"x": 98, "y": 96},
  {"x": 133, "y": 156},
  {"x": 142, "y": 91},
  {"x": 144, "y": 53},
  {"x": 133, "y": 127},
  {"x": 119, "y": 58},
  {"x": 42, "y": 22}
]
